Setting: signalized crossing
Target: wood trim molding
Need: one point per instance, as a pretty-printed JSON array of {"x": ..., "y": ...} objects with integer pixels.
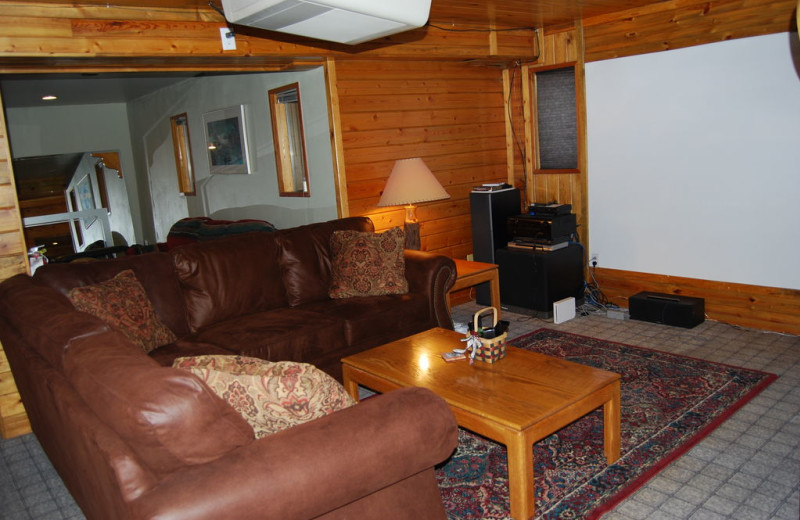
[
  {"x": 759, "y": 307},
  {"x": 337, "y": 146}
]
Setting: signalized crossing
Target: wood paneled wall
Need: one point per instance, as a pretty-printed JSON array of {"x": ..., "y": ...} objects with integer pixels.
[
  {"x": 13, "y": 260},
  {"x": 450, "y": 114},
  {"x": 559, "y": 48},
  {"x": 683, "y": 23},
  {"x": 768, "y": 308}
]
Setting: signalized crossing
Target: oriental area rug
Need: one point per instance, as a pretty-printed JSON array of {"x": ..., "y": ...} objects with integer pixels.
[{"x": 669, "y": 403}]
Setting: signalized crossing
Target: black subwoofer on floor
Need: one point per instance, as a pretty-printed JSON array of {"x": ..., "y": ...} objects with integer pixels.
[{"x": 668, "y": 309}]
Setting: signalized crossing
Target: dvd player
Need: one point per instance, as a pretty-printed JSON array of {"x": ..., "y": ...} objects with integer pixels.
[
  {"x": 539, "y": 209},
  {"x": 542, "y": 229}
]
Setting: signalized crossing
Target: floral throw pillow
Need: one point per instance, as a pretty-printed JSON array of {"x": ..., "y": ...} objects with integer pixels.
[
  {"x": 123, "y": 304},
  {"x": 271, "y": 396},
  {"x": 367, "y": 264}
]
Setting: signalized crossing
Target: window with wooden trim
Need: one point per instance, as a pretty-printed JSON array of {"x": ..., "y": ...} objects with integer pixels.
[{"x": 289, "y": 141}]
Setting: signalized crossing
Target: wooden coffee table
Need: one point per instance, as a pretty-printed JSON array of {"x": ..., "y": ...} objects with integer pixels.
[{"x": 517, "y": 401}]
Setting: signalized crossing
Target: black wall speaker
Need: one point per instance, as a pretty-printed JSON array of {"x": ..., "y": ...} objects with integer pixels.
[
  {"x": 669, "y": 309},
  {"x": 489, "y": 211}
]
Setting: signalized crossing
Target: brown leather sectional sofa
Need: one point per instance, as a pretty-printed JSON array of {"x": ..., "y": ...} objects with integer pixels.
[{"x": 133, "y": 438}]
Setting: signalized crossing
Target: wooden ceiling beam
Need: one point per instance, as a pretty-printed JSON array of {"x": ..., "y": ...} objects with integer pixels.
[{"x": 105, "y": 38}]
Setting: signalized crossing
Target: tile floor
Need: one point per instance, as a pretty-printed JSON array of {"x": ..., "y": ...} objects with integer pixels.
[{"x": 748, "y": 468}]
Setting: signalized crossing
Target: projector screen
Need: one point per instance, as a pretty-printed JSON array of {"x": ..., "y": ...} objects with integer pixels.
[{"x": 694, "y": 161}]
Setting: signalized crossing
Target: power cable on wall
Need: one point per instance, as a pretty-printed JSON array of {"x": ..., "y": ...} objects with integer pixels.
[{"x": 520, "y": 148}]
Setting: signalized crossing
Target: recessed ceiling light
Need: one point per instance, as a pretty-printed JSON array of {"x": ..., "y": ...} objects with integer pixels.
[{"x": 49, "y": 98}]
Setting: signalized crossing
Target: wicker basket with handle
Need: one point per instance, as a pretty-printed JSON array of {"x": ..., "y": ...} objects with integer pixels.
[{"x": 491, "y": 349}]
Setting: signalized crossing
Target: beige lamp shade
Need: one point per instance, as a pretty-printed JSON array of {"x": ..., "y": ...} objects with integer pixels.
[{"x": 411, "y": 181}]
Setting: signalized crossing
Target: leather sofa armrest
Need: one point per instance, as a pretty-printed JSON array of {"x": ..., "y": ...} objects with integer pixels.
[
  {"x": 315, "y": 467},
  {"x": 433, "y": 275}
]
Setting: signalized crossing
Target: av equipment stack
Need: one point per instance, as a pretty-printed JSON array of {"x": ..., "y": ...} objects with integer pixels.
[
  {"x": 539, "y": 264},
  {"x": 491, "y": 205},
  {"x": 546, "y": 227}
]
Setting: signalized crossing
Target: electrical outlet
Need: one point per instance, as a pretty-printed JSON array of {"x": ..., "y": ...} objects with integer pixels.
[
  {"x": 593, "y": 260},
  {"x": 228, "y": 39}
]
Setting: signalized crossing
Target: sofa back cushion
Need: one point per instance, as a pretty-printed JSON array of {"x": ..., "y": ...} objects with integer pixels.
[
  {"x": 229, "y": 277},
  {"x": 153, "y": 270},
  {"x": 44, "y": 318},
  {"x": 168, "y": 416},
  {"x": 305, "y": 257}
]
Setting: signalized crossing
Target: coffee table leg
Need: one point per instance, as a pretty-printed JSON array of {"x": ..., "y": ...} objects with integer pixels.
[
  {"x": 350, "y": 385},
  {"x": 520, "y": 478},
  {"x": 611, "y": 425}
]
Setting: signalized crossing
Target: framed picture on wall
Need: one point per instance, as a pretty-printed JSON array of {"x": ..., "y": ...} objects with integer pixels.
[
  {"x": 226, "y": 140},
  {"x": 82, "y": 198}
]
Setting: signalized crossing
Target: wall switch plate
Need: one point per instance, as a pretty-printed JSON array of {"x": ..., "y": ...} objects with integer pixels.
[
  {"x": 563, "y": 310},
  {"x": 228, "y": 39}
]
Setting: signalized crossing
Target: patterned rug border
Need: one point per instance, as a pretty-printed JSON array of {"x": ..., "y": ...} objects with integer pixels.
[{"x": 642, "y": 479}]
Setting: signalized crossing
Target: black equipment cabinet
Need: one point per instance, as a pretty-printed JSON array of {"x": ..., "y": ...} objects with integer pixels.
[{"x": 534, "y": 280}]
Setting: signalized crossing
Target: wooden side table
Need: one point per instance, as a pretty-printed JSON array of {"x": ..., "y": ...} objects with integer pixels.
[{"x": 469, "y": 274}]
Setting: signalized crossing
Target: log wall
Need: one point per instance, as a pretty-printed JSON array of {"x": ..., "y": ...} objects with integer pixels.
[
  {"x": 450, "y": 114},
  {"x": 13, "y": 260}
]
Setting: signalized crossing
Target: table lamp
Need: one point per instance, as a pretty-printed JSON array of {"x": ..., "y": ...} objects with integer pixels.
[{"x": 410, "y": 182}]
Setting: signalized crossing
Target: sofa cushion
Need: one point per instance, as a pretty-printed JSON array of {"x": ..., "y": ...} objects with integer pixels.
[
  {"x": 229, "y": 277},
  {"x": 122, "y": 303},
  {"x": 154, "y": 270},
  {"x": 367, "y": 264},
  {"x": 373, "y": 320},
  {"x": 168, "y": 416},
  {"x": 305, "y": 256},
  {"x": 277, "y": 335},
  {"x": 271, "y": 396}
]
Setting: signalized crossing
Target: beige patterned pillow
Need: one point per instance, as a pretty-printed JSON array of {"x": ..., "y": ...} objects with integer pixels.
[
  {"x": 271, "y": 396},
  {"x": 367, "y": 264}
]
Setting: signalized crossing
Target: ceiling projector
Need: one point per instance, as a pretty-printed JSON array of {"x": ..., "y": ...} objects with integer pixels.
[{"x": 341, "y": 21}]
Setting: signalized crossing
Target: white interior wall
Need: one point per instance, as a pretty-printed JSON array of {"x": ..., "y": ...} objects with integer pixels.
[
  {"x": 694, "y": 156},
  {"x": 233, "y": 196},
  {"x": 77, "y": 129}
]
